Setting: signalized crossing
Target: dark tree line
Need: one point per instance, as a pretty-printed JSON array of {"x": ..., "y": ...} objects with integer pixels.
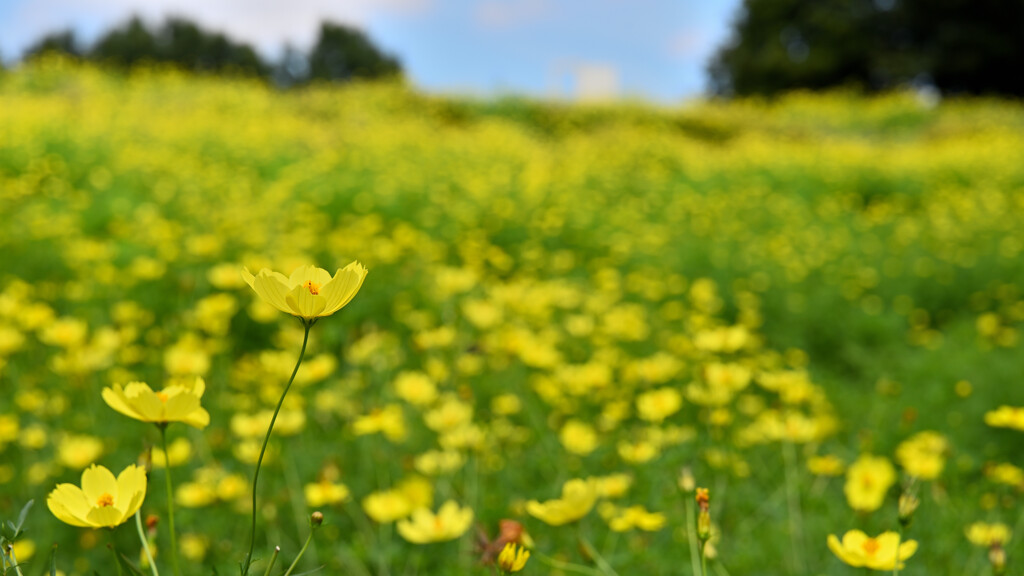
[
  {"x": 957, "y": 46},
  {"x": 340, "y": 53}
]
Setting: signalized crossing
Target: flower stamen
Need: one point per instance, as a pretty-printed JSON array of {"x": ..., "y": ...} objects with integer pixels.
[
  {"x": 105, "y": 500},
  {"x": 313, "y": 287}
]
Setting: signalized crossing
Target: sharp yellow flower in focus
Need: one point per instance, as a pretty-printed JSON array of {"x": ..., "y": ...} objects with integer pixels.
[
  {"x": 577, "y": 499},
  {"x": 878, "y": 553},
  {"x": 512, "y": 558},
  {"x": 310, "y": 292},
  {"x": 176, "y": 403},
  {"x": 103, "y": 501},
  {"x": 424, "y": 526}
]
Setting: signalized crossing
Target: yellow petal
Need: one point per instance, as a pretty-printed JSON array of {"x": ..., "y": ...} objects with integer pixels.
[
  {"x": 131, "y": 489},
  {"x": 248, "y": 277},
  {"x": 272, "y": 287},
  {"x": 104, "y": 517},
  {"x": 145, "y": 402},
  {"x": 305, "y": 304},
  {"x": 343, "y": 287},
  {"x": 907, "y": 549},
  {"x": 68, "y": 503},
  {"x": 199, "y": 388},
  {"x": 97, "y": 481},
  {"x": 179, "y": 406},
  {"x": 115, "y": 398},
  {"x": 412, "y": 532},
  {"x": 199, "y": 418},
  {"x": 308, "y": 273}
]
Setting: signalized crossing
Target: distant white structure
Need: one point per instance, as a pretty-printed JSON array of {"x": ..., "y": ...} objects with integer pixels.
[{"x": 584, "y": 81}]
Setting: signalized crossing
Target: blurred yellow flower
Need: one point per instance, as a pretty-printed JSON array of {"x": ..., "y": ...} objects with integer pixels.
[
  {"x": 321, "y": 493},
  {"x": 878, "y": 553},
  {"x": 179, "y": 451},
  {"x": 310, "y": 292},
  {"x": 578, "y": 497},
  {"x": 387, "y": 420},
  {"x": 1006, "y": 417},
  {"x": 424, "y": 526},
  {"x": 656, "y": 405},
  {"x": 986, "y": 535},
  {"x": 512, "y": 558},
  {"x": 386, "y": 506},
  {"x": 415, "y": 388},
  {"x": 103, "y": 501},
  {"x": 578, "y": 437},
  {"x": 178, "y": 402},
  {"x": 636, "y": 517},
  {"x": 827, "y": 465},
  {"x": 867, "y": 481},
  {"x": 923, "y": 455},
  {"x": 76, "y": 452}
]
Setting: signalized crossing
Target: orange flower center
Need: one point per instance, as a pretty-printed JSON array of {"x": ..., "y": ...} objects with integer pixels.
[
  {"x": 313, "y": 287},
  {"x": 438, "y": 524},
  {"x": 105, "y": 500},
  {"x": 162, "y": 396},
  {"x": 870, "y": 546}
]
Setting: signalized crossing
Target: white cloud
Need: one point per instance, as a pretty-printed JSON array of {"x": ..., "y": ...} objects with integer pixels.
[{"x": 507, "y": 13}]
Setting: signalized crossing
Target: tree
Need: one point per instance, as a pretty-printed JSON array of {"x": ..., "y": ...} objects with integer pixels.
[
  {"x": 343, "y": 53},
  {"x": 970, "y": 46},
  {"x": 180, "y": 42},
  {"x": 62, "y": 42}
]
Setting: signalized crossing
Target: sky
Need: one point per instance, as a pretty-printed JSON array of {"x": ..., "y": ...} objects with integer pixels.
[{"x": 648, "y": 49}]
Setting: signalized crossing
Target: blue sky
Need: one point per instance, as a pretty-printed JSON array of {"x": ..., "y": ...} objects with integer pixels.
[{"x": 651, "y": 49}]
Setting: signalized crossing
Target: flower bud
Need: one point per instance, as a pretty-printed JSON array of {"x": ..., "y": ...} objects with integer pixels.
[
  {"x": 907, "y": 505},
  {"x": 997, "y": 556},
  {"x": 316, "y": 519},
  {"x": 704, "y": 516}
]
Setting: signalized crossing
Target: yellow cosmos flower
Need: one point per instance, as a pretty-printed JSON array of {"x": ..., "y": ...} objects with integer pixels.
[
  {"x": 879, "y": 553},
  {"x": 512, "y": 558},
  {"x": 310, "y": 292},
  {"x": 577, "y": 499},
  {"x": 103, "y": 501},
  {"x": 175, "y": 403},
  {"x": 424, "y": 526}
]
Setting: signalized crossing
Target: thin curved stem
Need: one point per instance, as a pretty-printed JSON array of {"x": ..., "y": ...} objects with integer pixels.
[
  {"x": 273, "y": 560},
  {"x": 263, "y": 451},
  {"x": 145, "y": 543},
  {"x": 170, "y": 502},
  {"x": 896, "y": 564},
  {"x": 301, "y": 552}
]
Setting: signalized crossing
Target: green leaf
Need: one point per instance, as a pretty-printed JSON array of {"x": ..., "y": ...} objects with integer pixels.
[
  {"x": 127, "y": 565},
  {"x": 24, "y": 514}
]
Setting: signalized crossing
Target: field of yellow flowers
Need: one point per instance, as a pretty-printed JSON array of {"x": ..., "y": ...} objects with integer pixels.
[{"x": 747, "y": 338}]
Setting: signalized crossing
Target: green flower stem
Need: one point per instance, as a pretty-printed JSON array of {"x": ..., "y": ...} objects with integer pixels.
[
  {"x": 691, "y": 535},
  {"x": 566, "y": 566},
  {"x": 273, "y": 560},
  {"x": 170, "y": 501},
  {"x": 14, "y": 560},
  {"x": 145, "y": 543},
  {"x": 793, "y": 504},
  {"x": 603, "y": 564},
  {"x": 301, "y": 552},
  {"x": 703, "y": 560},
  {"x": 307, "y": 324}
]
